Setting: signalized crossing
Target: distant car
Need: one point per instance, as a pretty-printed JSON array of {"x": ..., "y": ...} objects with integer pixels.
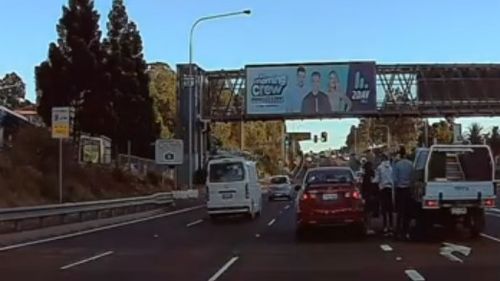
[
  {"x": 329, "y": 196},
  {"x": 280, "y": 187}
]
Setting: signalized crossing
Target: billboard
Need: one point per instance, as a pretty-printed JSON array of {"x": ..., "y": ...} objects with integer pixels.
[{"x": 311, "y": 89}]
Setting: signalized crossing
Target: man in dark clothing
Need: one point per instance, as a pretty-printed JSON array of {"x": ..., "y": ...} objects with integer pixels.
[{"x": 316, "y": 101}]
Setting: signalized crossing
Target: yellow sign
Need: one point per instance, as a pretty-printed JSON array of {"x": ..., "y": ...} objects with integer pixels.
[
  {"x": 60, "y": 131},
  {"x": 61, "y": 122}
]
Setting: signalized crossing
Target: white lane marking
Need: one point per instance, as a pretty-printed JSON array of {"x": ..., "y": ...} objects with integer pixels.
[
  {"x": 386, "y": 248},
  {"x": 107, "y": 227},
  {"x": 86, "y": 260},
  {"x": 490, "y": 237},
  {"x": 271, "y": 222},
  {"x": 287, "y": 206},
  {"x": 257, "y": 235},
  {"x": 223, "y": 269},
  {"x": 496, "y": 210},
  {"x": 493, "y": 214},
  {"x": 414, "y": 275},
  {"x": 194, "y": 223}
]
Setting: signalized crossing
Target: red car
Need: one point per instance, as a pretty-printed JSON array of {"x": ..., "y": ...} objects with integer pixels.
[{"x": 329, "y": 196}]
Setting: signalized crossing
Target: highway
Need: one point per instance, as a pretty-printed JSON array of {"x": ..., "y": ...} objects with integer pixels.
[{"x": 187, "y": 246}]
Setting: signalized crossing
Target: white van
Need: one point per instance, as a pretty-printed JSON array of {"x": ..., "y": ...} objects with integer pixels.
[{"x": 233, "y": 187}]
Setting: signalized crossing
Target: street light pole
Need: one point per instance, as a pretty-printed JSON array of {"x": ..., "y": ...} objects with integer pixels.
[{"x": 192, "y": 83}]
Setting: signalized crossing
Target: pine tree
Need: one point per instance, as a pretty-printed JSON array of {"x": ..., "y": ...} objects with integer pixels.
[
  {"x": 494, "y": 141},
  {"x": 474, "y": 135},
  {"x": 73, "y": 74},
  {"x": 130, "y": 83}
]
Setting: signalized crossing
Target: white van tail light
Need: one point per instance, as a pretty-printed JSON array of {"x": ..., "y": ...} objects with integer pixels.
[{"x": 247, "y": 192}]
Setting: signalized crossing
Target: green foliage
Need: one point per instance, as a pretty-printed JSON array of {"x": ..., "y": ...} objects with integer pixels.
[
  {"x": 162, "y": 89},
  {"x": 73, "y": 74},
  {"x": 440, "y": 131},
  {"x": 133, "y": 105},
  {"x": 13, "y": 91},
  {"x": 474, "y": 134},
  {"x": 493, "y": 140},
  {"x": 106, "y": 81}
]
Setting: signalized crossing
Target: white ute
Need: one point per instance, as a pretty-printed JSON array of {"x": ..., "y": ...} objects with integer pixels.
[
  {"x": 233, "y": 187},
  {"x": 453, "y": 184}
]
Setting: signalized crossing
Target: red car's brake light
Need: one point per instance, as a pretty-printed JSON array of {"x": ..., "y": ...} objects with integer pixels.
[
  {"x": 353, "y": 194},
  {"x": 307, "y": 196}
]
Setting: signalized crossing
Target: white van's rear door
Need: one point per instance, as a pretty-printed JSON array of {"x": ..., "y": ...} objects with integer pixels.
[{"x": 227, "y": 185}]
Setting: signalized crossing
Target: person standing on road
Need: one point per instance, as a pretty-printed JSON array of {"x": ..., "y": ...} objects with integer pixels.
[
  {"x": 369, "y": 191},
  {"x": 383, "y": 176},
  {"x": 403, "y": 170}
]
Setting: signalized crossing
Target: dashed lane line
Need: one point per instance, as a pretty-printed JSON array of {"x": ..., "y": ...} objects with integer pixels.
[
  {"x": 194, "y": 223},
  {"x": 223, "y": 269},
  {"x": 271, "y": 222},
  {"x": 414, "y": 275},
  {"x": 93, "y": 258},
  {"x": 386, "y": 248},
  {"x": 490, "y": 237}
]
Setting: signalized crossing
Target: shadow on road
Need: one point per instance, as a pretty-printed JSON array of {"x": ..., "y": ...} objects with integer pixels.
[{"x": 331, "y": 235}]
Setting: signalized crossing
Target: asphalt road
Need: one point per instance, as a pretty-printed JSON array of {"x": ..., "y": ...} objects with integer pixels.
[{"x": 181, "y": 247}]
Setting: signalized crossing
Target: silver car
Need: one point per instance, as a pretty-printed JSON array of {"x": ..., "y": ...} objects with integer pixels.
[{"x": 280, "y": 187}]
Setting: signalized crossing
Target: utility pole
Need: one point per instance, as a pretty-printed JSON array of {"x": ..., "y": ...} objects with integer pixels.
[{"x": 192, "y": 84}]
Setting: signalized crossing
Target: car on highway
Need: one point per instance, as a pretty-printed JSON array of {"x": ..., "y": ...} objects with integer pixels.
[
  {"x": 329, "y": 196},
  {"x": 280, "y": 187},
  {"x": 233, "y": 187}
]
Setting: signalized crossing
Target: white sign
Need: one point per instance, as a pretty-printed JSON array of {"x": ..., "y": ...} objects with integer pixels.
[
  {"x": 457, "y": 133},
  {"x": 61, "y": 122},
  {"x": 169, "y": 152}
]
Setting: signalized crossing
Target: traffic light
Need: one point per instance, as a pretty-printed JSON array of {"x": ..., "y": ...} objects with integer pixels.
[
  {"x": 324, "y": 136},
  {"x": 315, "y": 138}
]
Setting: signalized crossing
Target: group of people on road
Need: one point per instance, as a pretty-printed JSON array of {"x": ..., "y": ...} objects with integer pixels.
[{"x": 386, "y": 188}]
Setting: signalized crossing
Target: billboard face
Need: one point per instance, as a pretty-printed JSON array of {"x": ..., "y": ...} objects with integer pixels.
[{"x": 310, "y": 90}]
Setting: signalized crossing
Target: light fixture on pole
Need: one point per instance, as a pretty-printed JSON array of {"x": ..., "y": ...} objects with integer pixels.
[{"x": 192, "y": 83}]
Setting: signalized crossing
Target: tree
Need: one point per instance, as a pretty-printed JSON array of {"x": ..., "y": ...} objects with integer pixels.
[
  {"x": 73, "y": 74},
  {"x": 130, "y": 83},
  {"x": 12, "y": 91},
  {"x": 162, "y": 89},
  {"x": 475, "y": 134},
  {"x": 493, "y": 140}
]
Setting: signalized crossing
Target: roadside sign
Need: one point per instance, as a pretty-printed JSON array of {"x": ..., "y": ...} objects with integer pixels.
[
  {"x": 61, "y": 122},
  {"x": 457, "y": 133},
  {"x": 188, "y": 81},
  {"x": 169, "y": 152}
]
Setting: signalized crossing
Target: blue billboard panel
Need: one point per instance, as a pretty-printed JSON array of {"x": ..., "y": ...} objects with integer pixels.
[{"x": 311, "y": 89}]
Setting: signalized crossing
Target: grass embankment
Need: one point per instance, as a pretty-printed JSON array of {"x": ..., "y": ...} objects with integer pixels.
[{"x": 28, "y": 174}]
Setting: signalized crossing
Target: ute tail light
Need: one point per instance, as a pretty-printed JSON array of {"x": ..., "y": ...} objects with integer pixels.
[
  {"x": 247, "y": 192},
  {"x": 431, "y": 204},
  {"x": 489, "y": 203}
]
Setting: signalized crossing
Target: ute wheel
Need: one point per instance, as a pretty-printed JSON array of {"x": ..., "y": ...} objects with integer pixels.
[{"x": 476, "y": 223}]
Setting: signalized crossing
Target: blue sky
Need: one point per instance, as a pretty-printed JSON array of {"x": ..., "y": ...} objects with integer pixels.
[{"x": 278, "y": 31}]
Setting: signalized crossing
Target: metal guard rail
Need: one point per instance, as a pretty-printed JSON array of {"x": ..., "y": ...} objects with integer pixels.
[{"x": 23, "y": 213}]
